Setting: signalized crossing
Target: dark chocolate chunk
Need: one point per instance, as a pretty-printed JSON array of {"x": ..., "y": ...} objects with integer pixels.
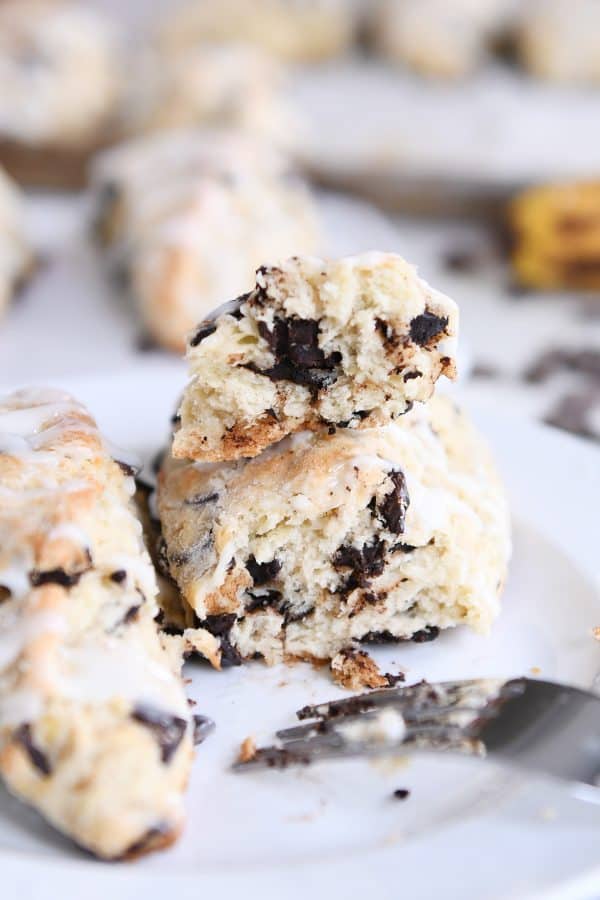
[
  {"x": 427, "y": 634},
  {"x": 262, "y": 600},
  {"x": 261, "y": 573},
  {"x": 119, "y": 576},
  {"x": 38, "y": 757},
  {"x": 128, "y": 469},
  {"x": 365, "y": 562},
  {"x": 573, "y": 413},
  {"x": 204, "y": 331},
  {"x": 55, "y": 576},
  {"x": 392, "y": 509},
  {"x": 220, "y": 626},
  {"x": 298, "y": 357},
  {"x": 390, "y": 338},
  {"x": 393, "y": 680},
  {"x": 426, "y": 327},
  {"x": 202, "y": 728},
  {"x": 167, "y": 729},
  {"x": 409, "y": 376},
  {"x": 158, "y": 461},
  {"x": 380, "y": 637},
  {"x": 145, "y": 343},
  {"x": 401, "y": 794},
  {"x": 402, "y": 548}
]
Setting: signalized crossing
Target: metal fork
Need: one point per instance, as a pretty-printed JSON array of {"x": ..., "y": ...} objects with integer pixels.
[{"x": 532, "y": 725}]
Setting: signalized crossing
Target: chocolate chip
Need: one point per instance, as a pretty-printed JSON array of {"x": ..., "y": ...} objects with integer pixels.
[
  {"x": 119, "y": 576},
  {"x": 167, "y": 729},
  {"x": 380, "y": 637},
  {"x": 426, "y": 327},
  {"x": 573, "y": 413},
  {"x": 402, "y": 548},
  {"x": 55, "y": 576},
  {"x": 201, "y": 499},
  {"x": 390, "y": 338},
  {"x": 261, "y": 573},
  {"x": 38, "y": 757},
  {"x": 158, "y": 461},
  {"x": 263, "y": 600},
  {"x": 203, "y": 332},
  {"x": 427, "y": 634},
  {"x": 294, "y": 344},
  {"x": 409, "y": 376},
  {"x": 401, "y": 793},
  {"x": 202, "y": 728},
  {"x": 220, "y": 626},
  {"x": 393, "y": 680},
  {"x": 391, "y": 511},
  {"x": 366, "y": 562}
]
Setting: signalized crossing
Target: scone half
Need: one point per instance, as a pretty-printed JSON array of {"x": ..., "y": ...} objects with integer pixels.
[{"x": 348, "y": 343}]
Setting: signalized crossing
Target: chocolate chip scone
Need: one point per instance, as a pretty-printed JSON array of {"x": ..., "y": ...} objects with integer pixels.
[
  {"x": 60, "y": 87},
  {"x": 190, "y": 217},
  {"x": 328, "y": 540},
  {"x": 16, "y": 256},
  {"x": 95, "y": 730},
  {"x": 348, "y": 343}
]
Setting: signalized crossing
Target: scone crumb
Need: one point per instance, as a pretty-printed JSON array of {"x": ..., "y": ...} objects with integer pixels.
[
  {"x": 596, "y": 633},
  {"x": 247, "y": 750},
  {"x": 355, "y": 670}
]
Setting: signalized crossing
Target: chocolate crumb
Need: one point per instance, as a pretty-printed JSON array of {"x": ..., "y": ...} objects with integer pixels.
[
  {"x": 401, "y": 794},
  {"x": 55, "y": 576},
  {"x": 119, "y": 576},
  {"x": 38, "y": 757}
]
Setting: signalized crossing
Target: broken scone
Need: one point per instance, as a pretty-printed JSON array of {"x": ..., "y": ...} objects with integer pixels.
[
  {"x": 347, "y": 343},
  {"x": 95, "y": 730},
  {"x": 325, "y": 541}
]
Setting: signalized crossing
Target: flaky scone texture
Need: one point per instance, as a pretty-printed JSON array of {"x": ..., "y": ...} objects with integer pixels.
[
  {"x": 352, "y": 342},
  {"x": 327, "y": 540},
  {"x": 95, "y": 730},
  {"x": 16, "y": 255}
]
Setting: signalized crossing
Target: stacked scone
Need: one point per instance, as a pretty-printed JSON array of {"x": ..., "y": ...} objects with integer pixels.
[
  {"x": 188, "y": 216},
  {"x": 315, "y": 497}
]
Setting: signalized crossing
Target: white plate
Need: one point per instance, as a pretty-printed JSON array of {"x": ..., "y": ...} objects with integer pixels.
[{"x": 467, "y": 831}]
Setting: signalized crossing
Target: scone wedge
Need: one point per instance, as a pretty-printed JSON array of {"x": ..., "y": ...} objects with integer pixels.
[
  {"x": 327, "y": 541},
  {"x": 95, "y": 729},
  {"x": 349, "y": 343}
]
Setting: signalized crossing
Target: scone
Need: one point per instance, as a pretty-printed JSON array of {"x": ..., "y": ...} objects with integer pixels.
[
  {"x": 325, "y": 541},
  {"x": 560, "y": 39},
  {"x": 441, "y": 38},
  {"x": 95, "y": 729},
  {"x": 348, "y": 343},
  {"x": 16, "y": 255},
  {"x": 306, "y": 31},
  {"x": 555, "y": 234},
  {"x": 190, "y": 233},
  {"x": 60, "y": 82},
  {"x": 226, "y": 85}
]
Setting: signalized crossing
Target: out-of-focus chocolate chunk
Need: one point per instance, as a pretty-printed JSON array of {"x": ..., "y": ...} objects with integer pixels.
[{"x": 167, "y": 729}]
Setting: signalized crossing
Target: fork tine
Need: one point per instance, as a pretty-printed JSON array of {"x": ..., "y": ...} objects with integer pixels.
[{"x": 423, "y": 695}]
